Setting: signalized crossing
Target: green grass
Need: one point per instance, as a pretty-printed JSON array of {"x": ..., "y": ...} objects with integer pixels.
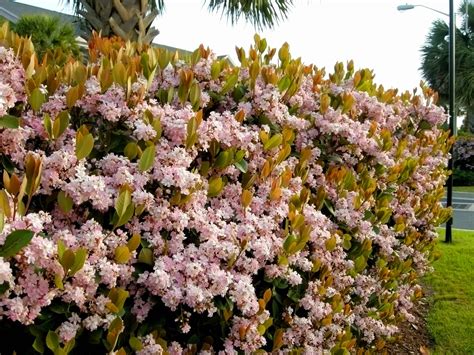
[
  {"x": 451, "y": 315},
  {"x": 463, "y": 188}
]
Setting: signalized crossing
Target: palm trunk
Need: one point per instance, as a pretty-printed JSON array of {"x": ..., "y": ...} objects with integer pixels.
[{"x": 129, "y": 19}]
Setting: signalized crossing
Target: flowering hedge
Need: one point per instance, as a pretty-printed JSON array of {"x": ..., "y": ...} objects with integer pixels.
[{"x": 152, "y": 204}]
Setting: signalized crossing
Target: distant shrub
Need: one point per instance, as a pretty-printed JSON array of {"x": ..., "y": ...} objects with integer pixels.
[
  {"x": 463, "y": 153},
  {"x": 48, "y": 34},
  {"x": 463, "y": 177},
  {"x": 150, "y": 204}
]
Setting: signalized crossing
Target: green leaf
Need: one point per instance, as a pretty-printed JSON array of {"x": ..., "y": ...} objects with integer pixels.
[
  {"x": 7, "y": 164},
  {"x": 331, "y": 243},
  {"x": 424, "y": 125},
  {"x": 61, "y": 248},
  {"x": 79, "y": 260},
  {"x": 284, "y": 83},
  {"x": 67, "y": 260},
  {"x": 84, "y": 146},
  {"x": 48, "y": 125},
  {"x": 9, "y": 121},
  {"x": 157, "y": 127},
  {"x": 230, "y": 83},
  {"x": 273, "y": 142},
  {"x": 58, "y": 282},
  {"x": 241, "y": 165},
  {"x": 147, "y": 159},
  {"x": 126, "y": 216},
  {"x": 240, "y": 155},
  {"x": 131, "y": 150},
  {"x": 122, "y": 254},
  {"x": 96, "y": 336},
  {"x": 368, "y": 215},
  {"x": 4, "y": 287},
  {"x": 115, "y": 328},
  {"x": 341, "y": 352},
  {"x": 2, "y": 221},
  {"x": 146, "y": 256},
  {"x": 170, "y": 95},
  {"x": 280, "y": 283},
  {"x": 5, "y": 203},
  {"x": 191, "y": 129},
  {"x": 73, "y": 95},
  {"x": 222, "y": 160},
  {"x": 191, "y": 139},
  {"x": 346, "y": 244},
  {"x": 38, "y": 345},
  {"x": 262, "y": 45},
  {"x": 329, "y": 206},
  {"x": 360, "y": 263},
  {"x": 60, "y": 124},
  {"x": 135, "y": 344},
  {"x": 123, "y": 201},
  {"x": 291, "y": 239},
  {"x": 195, "y": 96},
  {"x": 52, "y": 340},
  {"x": 134, "y": 242},
  {"x": 215, "y": 69},
  {"x": 215, "y": 186},
  {"x": 69, "y": 346},
  {"x": 36, "y": 99},
  {"x": 65, "y": 202},
  {"x": 15, "y": 241},
  {"x": 195, "y": 57}
]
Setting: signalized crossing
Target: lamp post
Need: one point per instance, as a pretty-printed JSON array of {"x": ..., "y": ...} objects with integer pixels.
[
  {"x": 452, "y": 111},
  {"x": 410, "y": 6}
]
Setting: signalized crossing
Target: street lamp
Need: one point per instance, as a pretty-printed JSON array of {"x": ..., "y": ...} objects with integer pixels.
[
  {"x": 410, "y": 6},
  {"x": 452, "y": 111}
]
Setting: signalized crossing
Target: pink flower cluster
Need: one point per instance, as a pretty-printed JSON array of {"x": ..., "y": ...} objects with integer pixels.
[
  {"x": 12, "y": 78},
  {"x": 322, "y": 225}
]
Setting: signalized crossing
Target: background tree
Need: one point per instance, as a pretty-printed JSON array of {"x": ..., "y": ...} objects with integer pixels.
[
  {"x": 132, "y": 19},
  {"x": 48, "y": 34},
  {"x": 435, "y": 63}
]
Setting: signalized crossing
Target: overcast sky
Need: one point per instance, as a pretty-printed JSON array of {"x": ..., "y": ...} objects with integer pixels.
[{"x": 371, "y": 32}]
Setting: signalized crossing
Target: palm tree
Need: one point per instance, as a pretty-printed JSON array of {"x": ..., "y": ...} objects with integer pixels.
[
  {"x": 435, "y": 63},
  {"x": 132, "y": 19},
  {"x": 48, "y": 34}
]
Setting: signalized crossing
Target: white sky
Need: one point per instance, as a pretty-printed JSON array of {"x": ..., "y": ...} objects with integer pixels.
[{"x": 371, "y": 32}]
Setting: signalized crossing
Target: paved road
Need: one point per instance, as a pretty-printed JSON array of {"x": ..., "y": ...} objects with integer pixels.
[{"x": 463, "y": 204}]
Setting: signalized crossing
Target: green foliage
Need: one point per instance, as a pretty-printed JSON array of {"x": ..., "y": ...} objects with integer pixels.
[
  {"x": 48, "y": 34},
  {"x": 435, "y": 62},
  {"x": 261, "y": 14},
  {"x": 463, "y": 177},
  {"x": 14, "y": 242},
  {"x": 463, "y": 153},
  {"x": 452, "y": 301},
  {"x": 9, "y": 121}
]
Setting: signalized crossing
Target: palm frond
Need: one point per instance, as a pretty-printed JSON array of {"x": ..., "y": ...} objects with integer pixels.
[
  {"x": 260, "y": 13},
  {"x": 435, "y": 61}
]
